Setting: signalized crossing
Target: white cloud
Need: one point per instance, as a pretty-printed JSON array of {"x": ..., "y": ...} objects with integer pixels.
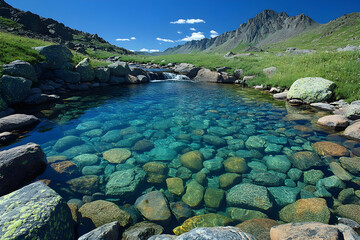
[
  {"x": 193, "y": 29},
  {"x": 154, "y": 50},
  {"x": 213, "y": 33},
  {"x": 179, "y": 32},
  {"x": 165, "y": 40},
  {"x": 188, "y": 21},
  {"x": 194, "y": 36},
  {"x": 123, "y": 39},
  {"x": 143, "y": 50}
]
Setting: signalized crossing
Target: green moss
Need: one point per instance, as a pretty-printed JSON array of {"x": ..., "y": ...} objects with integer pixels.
[{"x": 11, "y": 229}]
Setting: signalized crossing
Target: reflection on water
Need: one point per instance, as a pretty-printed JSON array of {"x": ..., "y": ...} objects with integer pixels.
[{"x": 117, "y": 144}]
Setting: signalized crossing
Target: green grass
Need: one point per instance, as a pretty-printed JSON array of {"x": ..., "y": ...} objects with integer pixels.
[
  {"x": 340, "y": 67},
  {"x": 10, "y": 23},
  {"x": 19, "y": 48}
]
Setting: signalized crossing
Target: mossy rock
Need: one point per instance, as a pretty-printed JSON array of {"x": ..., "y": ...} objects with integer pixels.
[
  {"x": 175, "y": 186},
  {"x": 235, "y": 165},
  {"x": 192, "y": 160},
  {"x": 306, "y": 210},
  {"x": 35, "y": 212},
  {"x": 228, "y": 180},
  {"x": 194, "y": 194},
  {"x": 206, "y": 220},
  {"x": 213, "y": 197}
]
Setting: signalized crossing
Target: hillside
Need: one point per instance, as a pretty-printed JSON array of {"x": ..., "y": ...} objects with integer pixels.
[
  {"x": 268, "y": 27},
  {"x": 337, "y": 33},
  {"x": 31, "y": 25}
]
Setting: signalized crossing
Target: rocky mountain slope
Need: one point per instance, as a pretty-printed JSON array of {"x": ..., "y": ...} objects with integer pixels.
[
  {"x": 31, "y": 25},
  {"x": 268, "y": 27}
]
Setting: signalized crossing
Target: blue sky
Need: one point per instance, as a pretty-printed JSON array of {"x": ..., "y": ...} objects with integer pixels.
[{"x": 146, "y": 24}]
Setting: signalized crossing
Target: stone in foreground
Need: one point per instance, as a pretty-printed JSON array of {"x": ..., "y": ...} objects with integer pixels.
[
  {"x": 19, "y": 166},
  {"x": 303, "y": 210},
  {"x": 311, "y": 89},
  {"x": 353, "y": 131},
  {"x": 206, "y": 220},
  {"x": 35, "y": 212},
  {"x": 142, "y": 230},
  {"x": 109, "y": 231},
  {"x": 334, "y": 121},
  {"x": 305, "y": 230}
]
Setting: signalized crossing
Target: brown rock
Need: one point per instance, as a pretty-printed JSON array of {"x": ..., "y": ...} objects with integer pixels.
[
  {"x": 334, "y": 121},
  {"x": 305, "y": 210},
  {"x": 330, "y": 149},
  {"x": 303, "y": 129},
  {"x": 305, "y": 230},
  {"x": 88, "y": 184},
  {"x": 101, "y": 212},
  {"x": 235, "y": 165},
  {"x": 116, "y": 155},
  {"x": 143, "y": 145},
  {"x": 74, "y": 211},
  {"x": 306, "y": 160},
  {"x": 259, "y": 228},
  {"x": 65, "y": 168}
]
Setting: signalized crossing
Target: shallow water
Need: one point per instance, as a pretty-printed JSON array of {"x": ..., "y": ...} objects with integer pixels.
[{"x": 174, "y": 117}]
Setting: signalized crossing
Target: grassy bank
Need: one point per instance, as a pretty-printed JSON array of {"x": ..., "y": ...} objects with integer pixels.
[{"x": 340, "y": 67}]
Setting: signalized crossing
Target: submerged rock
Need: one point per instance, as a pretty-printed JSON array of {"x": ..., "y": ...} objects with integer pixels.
[
  {"x": 235, "y": 165},
  {"x": 35, "y": 212},
  {"x": 206, "y": 220},
  {"x": 249, "y": 195},
  {"x": 194, "y": 194},
  {"x": 84, "y": 185},
  {"x": 305, "y": 210},
  {"x": 19, "y": 166},
  {"x": 124, "y": 183},
  {"x": 242, "y": 214},
  {"x": 154, "y": 207},
  {"x": 116, "y": 155},
  {"x": 66, "y": 143},
  {"x": 192, "y": 160},
  {"x": 351, "y": 164},
  {"x": 175, "y": 186},
  {"x": 306, "y": 160},
  {"x": 351, "y": 211},
  {"x": 181, "y": 211},
  {"x": 330, "y": 149},
  {"x": 101, "y": 212}
]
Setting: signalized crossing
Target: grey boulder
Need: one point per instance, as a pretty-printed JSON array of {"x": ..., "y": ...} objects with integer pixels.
[
  {"x": 102, "y": 74},
  {"x": 20, "y": 68},
  {"x": 35, "y": 212},
  {"x": 201, "y": 233},
  {"x": 119, "y": 69},
  {"x": 19, "y": 166},
  {"x": 18, "y": 122},
  {"x": 67, "y": 76},
  {"x": 86, "y": 71},
  {"x": 14, "y": 89},
  {"x": 57, "y": 56},
  {"x": 109, "y": 231}
]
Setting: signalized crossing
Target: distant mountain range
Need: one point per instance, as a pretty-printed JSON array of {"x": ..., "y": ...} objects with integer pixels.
[
  {"x": 270, "y": 28},
  {"x": 32, "y": 25}
]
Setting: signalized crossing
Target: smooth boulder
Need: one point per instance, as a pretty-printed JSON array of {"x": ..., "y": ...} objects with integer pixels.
[
  {"x": 86, "y": 71},
  {"x": 353, "y": 131},
  {"x": 35, "y": 212},
  {"x": 334, "y": 121},
  {"x": 18, "y": 122},
  {"x": 311, "y": 89},
  {"x": 19, "y": 166},
  {"x": 57, "y": 56},
  {"x": 109, "y": 231}
]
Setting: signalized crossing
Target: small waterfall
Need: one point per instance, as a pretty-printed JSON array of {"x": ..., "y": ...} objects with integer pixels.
[{"x": 175, "y": 77}]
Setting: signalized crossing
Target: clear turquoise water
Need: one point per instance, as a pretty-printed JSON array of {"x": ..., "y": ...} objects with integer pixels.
[{"x": 174, "y": 116}]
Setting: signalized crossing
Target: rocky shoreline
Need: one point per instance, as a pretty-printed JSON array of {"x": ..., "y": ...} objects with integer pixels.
[{"x": 34, "y": 210}]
